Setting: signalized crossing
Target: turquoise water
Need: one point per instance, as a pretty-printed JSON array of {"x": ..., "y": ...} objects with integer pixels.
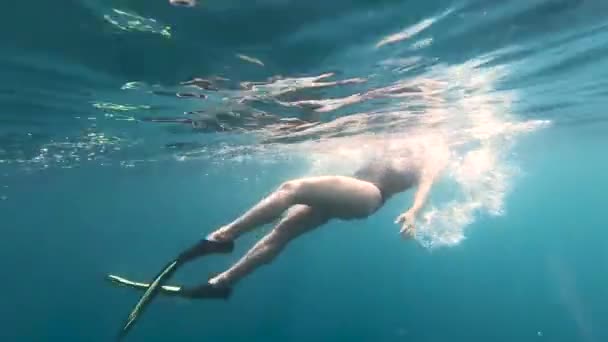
[{"x": 510, "y": 248}]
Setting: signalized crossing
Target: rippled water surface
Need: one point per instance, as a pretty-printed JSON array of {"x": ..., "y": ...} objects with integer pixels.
[{"x": 130, "y": 128}]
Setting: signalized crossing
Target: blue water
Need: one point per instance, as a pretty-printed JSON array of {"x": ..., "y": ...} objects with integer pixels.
[{"x": 512, "y": 246}]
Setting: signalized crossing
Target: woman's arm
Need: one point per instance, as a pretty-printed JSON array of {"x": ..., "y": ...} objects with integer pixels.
[{"x": 408, "y": 218}]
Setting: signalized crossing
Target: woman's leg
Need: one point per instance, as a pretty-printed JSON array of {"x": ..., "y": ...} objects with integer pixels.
[
  {"x": 340, "y": 197},
  {"x": 299, "y": 220}
]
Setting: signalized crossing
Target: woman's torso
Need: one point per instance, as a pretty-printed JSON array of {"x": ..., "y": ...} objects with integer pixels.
[{"x": 391, "y": 176}]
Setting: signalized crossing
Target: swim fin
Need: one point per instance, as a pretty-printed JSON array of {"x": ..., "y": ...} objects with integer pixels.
[
  {"x": 203, "y": 247},
  {"x": 203, "y": 291},
  {"x": 148, "y": 295},
  {"x": 124, "y": 282},
  {"x": 206, "y": 291}
]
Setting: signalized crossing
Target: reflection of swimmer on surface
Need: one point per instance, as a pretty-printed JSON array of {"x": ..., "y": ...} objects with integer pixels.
[
  {"x": 279, "y": 85},
  {"x": 301, "y": 205},
  {"x": 426, "y": 89},
  {"x": 236, "y": 114},
  {"x": 231, "y": 121},
  {"x": 239, "y": 103}
]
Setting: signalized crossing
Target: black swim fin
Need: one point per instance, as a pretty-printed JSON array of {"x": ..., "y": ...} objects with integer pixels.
[
  {"x": 206, "y": 291},
  {"x": 203, "y": 247}
]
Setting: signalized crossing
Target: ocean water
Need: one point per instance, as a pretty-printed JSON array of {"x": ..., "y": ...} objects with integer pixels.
[{"x": 509, "y": 94}]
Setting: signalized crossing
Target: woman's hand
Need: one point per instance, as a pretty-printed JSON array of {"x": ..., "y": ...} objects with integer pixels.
[{"x": 407, "y": 221}]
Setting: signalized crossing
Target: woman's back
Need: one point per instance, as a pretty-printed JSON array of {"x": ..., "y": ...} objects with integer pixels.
[{"x": 390, "y": 175}]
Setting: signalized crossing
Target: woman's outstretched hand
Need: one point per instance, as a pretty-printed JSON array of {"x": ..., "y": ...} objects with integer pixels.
[{"x": 407, "y": 221}]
